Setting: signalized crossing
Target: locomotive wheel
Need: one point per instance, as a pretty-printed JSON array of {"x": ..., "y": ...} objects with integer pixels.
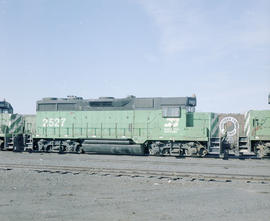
[
  {"x": 61, "y": 150},
  {"x": 78, "y": 149},
  {"x": 260, "y": 153},
  {"x": 1, "y": 144},
  {"x": 202, "y": 152},
  {"x": 48, "y": 149},
  {"x": 154, "y": 150}
]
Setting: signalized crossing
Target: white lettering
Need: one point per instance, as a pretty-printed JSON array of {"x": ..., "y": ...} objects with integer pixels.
[{"x": 53, "y": 122}]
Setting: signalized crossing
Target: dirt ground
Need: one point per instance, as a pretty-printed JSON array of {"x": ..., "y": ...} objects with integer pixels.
[{"x": 27, "y": 194}]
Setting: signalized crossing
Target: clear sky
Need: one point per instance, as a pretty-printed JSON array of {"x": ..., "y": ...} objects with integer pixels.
[{"x": 218, "y": 50}]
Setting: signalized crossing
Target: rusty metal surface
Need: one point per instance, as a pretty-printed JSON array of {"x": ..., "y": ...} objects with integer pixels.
[{"x": 232, "y": 123}]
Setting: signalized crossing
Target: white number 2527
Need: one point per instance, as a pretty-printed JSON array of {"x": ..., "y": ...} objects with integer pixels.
[{"x": 53, "y": 122}]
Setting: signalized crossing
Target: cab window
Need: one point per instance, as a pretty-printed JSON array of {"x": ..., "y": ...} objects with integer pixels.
[{"x": 169, "y": 111}]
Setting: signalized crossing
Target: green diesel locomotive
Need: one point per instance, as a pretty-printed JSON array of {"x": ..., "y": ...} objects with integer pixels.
[{"x": 158, "y": 126}]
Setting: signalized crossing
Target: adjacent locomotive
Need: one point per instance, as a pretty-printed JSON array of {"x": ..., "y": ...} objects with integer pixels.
[
  {"x": 5, "y": 111},
  {"x": 16, "y": 130},
  {"x": 257, "y": 130}
]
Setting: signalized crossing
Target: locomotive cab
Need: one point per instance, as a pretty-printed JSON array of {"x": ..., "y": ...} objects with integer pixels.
[{"x": 5, "y": 107}]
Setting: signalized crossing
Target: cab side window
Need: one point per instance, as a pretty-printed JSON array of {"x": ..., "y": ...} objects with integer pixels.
[{"x": 171, "y": 111}]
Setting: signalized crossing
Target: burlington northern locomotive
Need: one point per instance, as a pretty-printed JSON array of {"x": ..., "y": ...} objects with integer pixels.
[{"x": 155, "y": 126}]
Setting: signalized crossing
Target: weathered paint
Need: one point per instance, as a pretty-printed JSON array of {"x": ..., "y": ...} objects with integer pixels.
[
  {"x": 257, "y": 125},
  {"x": 10, "y": 124},
  {"x": 4, "y": 124}
]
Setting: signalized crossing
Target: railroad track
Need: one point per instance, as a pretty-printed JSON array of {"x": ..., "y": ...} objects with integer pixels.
[{"x": 158, "y": 174}]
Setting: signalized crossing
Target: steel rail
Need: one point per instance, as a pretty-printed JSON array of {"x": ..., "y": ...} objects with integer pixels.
[{"x": 138, "y": 172}]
